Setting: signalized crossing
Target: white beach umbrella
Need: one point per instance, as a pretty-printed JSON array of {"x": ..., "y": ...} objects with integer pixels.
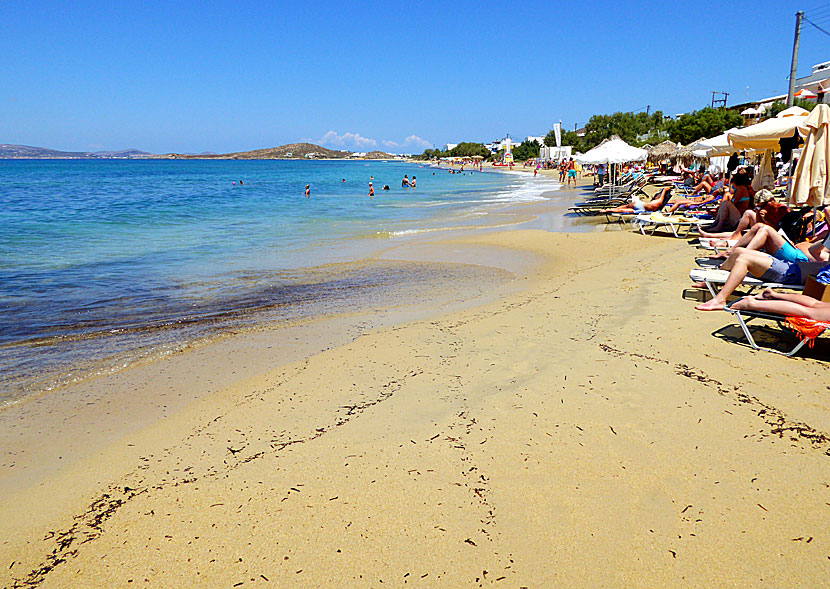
[
  {"x": 749, "y": 112},
  {"x": 615, "y": 151},
  {"x": 793, "y": 111},
  {"x": 715, "y": 146},
  {"x": 767, "y": 134},
  {"x": 810, "y": 181}
]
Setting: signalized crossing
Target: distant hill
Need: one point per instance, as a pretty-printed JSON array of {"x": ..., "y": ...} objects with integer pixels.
[
  {"x": 29, "y": 152},
  {"x": 379, "y": 155},
  {"x": 290, "y": 151}
]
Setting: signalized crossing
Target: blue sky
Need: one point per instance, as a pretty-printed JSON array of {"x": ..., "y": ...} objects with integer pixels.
[{"x": 227, "y": 76}]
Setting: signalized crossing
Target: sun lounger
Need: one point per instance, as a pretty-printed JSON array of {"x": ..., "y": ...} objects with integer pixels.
[
  {"x": 744, "y": 316},
  {"x": 660, "y": 220},
  {"x": 716, "y": 276},
  {"x": 709, "y": 262}
]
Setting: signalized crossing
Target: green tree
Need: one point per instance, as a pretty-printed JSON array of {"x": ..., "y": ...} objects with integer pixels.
[
  {"x": 572, "y": 139},
  {"x": 634, "y": 128},
  {"x": 526, "y": 150},
  {"x": 468, "y": 149},
  {"x": 707, "y": 122}
]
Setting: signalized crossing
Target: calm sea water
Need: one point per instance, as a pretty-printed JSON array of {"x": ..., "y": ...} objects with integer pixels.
[{"x": 99, "y": 259}]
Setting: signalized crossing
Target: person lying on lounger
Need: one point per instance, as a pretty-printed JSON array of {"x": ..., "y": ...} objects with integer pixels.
[
  {"x": 762, "y": 237},
  {"x": 763, "y": 266},
  {"x": 711, "y": 184},
  {"x": 692, "y": 201},
  {"x": 790, "y": 305},
  {"x": 768, "y": 211},
  {"x": 638, "y": 206}
]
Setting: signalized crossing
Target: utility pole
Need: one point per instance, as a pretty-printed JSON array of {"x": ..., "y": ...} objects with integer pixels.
[
  {"x": 790, "y": 95},
  {"x": 721, "y": 101},
  {"x": 648, "y": 108}
]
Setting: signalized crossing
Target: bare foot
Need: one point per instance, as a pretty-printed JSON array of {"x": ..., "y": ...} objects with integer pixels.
[
  {"x": 713, "y": 305},
  {"x": 700, "y": 284}
]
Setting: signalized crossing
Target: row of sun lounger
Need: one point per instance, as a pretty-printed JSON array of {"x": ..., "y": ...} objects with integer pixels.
[{"x": 708, "y": 273}]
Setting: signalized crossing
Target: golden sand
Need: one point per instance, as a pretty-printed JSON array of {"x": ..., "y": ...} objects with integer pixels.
[{"x": 588, "y": 428}]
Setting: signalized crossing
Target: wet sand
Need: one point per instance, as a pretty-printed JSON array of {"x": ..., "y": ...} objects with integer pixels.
[{"x": 584, "y": 427}]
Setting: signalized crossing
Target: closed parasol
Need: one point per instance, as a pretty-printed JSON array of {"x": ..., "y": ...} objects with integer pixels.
[{"x": 810, "y": 182}]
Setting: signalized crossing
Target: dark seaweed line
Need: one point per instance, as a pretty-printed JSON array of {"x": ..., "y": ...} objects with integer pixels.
[
  {"x": 773, "y": 417},
  {"x": 88, "y": 525}
]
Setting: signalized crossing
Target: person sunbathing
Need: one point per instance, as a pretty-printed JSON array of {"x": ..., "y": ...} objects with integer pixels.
[
  {"x": 692, "y": 201},
  {"x": 765, "y": 267},
  {"x": 762, "y": 237},
  {"x": 638, "y": 206},
  {"x": 709, "y": 185},
  {"x": 770, "y": 213},
  {"x": 727, "y": 217},
  {"x": 789, "y": 305}
]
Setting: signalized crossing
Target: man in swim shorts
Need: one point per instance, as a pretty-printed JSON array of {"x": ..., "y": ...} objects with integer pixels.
[
  {"x": 761, "y": 265},
  {"x": 571, "y": 172}
]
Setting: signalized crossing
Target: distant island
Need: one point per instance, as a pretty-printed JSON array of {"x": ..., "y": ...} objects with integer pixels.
[
  {"x": 13, "y": 152},
  {"x": 297, "y": 151}
]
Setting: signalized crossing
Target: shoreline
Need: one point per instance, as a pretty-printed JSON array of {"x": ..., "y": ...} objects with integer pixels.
[{"x": 583, "y": 415}]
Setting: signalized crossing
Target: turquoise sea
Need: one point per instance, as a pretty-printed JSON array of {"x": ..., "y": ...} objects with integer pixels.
[{"x": 105, "y": 261}]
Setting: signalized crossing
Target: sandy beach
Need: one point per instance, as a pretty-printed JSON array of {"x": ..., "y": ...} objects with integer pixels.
[{"x": 584, "y": 426}]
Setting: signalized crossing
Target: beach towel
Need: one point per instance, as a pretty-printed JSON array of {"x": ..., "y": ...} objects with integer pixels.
[{"x": 807, "y": 329}]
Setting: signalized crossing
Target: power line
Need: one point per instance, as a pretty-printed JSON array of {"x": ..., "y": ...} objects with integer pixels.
[
  {"x": 822, "y": 20},
  {"x": 819, "y": 7},
  {"x": 815, "y": 25}
]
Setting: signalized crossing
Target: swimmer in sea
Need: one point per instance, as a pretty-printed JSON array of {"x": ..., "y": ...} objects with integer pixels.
[
  {"x": 386, "y": 187},
  {"x": 405, "y": 181},
  {"x": 307, "y": 190},
  {"x": 412, "y": 184},
  {"x": 371, "y": 189},
  {"x": 241, "y": 183}
]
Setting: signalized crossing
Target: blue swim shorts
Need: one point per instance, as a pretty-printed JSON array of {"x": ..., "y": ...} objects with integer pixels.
[
  {"x": 788, "y": 253},
  {"x": 571, "y": 173},
  {"x": 783, "y": 273}
]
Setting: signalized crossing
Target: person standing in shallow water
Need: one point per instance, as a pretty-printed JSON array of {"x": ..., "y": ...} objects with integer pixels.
[
  {"x": 412, "y": 184},
  {"x": 307, "y": 190},
  {"x": 371, "y": 189},
  {"x": 405, "y": 181}
]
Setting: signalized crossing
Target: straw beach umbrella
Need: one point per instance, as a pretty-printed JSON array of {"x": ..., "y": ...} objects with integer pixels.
[
  {"x": 662, "y": 151},
  {"x": 810, "y": 182}
]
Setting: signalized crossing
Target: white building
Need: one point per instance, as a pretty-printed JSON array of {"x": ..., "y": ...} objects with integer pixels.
[
  {"x": 450, "y": 146},
  {"x": 555, "y": 154}
]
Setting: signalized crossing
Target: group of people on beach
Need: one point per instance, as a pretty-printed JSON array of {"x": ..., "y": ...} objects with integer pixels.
[{"x": 754, "y": 235}]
